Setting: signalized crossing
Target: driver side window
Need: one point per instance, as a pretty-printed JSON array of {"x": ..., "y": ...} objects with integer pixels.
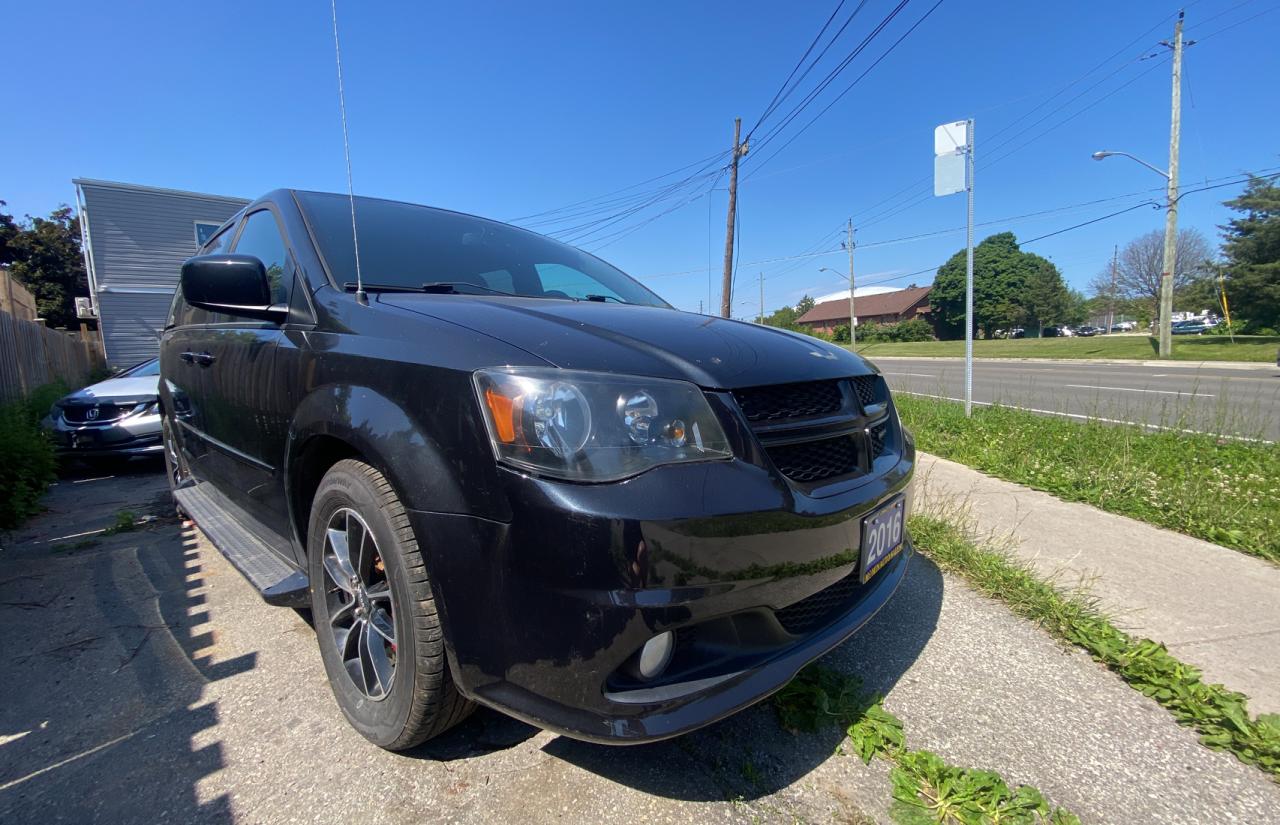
[{"x": 261, "y": 238}]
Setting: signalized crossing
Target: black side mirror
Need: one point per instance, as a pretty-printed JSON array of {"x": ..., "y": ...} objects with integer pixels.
[{"x": 232, "y": 284}]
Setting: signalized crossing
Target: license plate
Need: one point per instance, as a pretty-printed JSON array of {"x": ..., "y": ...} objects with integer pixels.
[
  {"x": 84, "y": 439},
  {"x": 882, "y": 535}
]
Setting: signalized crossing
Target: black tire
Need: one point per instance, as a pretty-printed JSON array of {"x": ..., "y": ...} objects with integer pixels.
[{"x": 421, "y": 700}]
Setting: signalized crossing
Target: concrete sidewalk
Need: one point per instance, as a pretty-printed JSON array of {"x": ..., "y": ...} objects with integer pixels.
[{"x": 1215, "y": 608}]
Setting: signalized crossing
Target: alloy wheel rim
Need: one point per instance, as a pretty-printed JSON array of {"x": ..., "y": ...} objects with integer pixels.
[
  {"x": 361, "y": 615},
  {"x": 171, "y": 456}
]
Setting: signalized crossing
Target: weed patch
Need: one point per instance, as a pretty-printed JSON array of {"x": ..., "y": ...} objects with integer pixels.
[
  {"x": 925, "y": 788},
  {"x": 1219, "y": 715},
  {"x": 27, "y": 462},
  {"x": 125, "y": 522},
  {"x": 1214, "y": 489}
]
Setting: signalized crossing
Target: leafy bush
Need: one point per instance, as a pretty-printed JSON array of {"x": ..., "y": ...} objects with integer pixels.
[
  {"x": 27, "y": 461},
  {"x": 840, "y": 334},
  {"x": 916, "y": 329}
]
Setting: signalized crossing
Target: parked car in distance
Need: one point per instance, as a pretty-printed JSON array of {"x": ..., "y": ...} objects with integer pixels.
[
  {"x": 1087, "y": 331},
  {"x": 1193, "y": 326},
  {"x": 111, "y": 420},
  {"x": 1124, "y": 326},
  {"x": 500, "y": 471},
  {"x": 1056, "y": 332}
]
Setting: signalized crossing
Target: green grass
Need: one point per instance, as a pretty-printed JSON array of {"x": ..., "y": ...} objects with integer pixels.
[
  {"x": 1258, "y": 348},
  {"x": 926, "y": 789},
  {"x": 1220, "y": 716},
  {"x": 1223, "y": 491}
]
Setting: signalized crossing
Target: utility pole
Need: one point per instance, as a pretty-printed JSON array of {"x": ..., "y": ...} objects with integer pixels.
[
  {"x": 853, "y": 316},
  {"x": 699, "y": 306},
  {"x": 726, "y": 287},
  {"x": 762, "y": 298},
  {"x": 1171, "y": 215},
  {"x": 1111, "y": 296}
]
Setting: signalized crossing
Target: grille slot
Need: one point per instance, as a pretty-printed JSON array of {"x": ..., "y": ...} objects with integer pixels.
[
  {"x": 810, "y": 612},
  {"x": 79, "y": 413},
  {"x": 879, "y": 439},
  {"x": 783, "y": 401},
  {"x": 870, "y": 389},
  {"x": 817, "y": 460}
]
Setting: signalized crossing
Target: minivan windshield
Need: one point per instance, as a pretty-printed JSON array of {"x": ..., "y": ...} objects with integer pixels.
[{"x": 406, "y": 245}]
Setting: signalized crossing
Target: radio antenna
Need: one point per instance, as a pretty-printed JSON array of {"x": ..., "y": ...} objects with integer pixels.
[{"x": 361, "y": 297}]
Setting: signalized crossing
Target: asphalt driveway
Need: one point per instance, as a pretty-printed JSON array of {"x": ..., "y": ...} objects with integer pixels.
[{"x": 144, "y": 681}]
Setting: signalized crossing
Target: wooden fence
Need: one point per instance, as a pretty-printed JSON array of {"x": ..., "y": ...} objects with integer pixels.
[
  {"x": 31, "y": 354},
  {"x": 15, "y": 299}
]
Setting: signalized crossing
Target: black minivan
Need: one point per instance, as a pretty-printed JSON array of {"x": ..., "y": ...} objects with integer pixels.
[{"x": 497, "y": 470}]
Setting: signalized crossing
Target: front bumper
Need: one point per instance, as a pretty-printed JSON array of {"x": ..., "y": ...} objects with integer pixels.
[
  {"x": 542, "y": 614},
  {"x": 135, "y": 435}
]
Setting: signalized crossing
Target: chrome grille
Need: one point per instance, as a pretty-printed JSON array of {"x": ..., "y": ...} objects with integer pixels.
[{"x": 95, "y": 413}]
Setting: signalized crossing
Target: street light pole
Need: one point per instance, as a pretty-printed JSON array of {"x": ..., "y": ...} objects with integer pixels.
[{"x": 1170, "y": 259}]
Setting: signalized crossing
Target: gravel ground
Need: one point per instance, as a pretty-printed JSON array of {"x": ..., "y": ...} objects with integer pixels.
[{"x": 146, "y": 682}]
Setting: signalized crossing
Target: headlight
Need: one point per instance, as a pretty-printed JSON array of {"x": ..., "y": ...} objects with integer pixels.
[{"x": 586, "y": 426}]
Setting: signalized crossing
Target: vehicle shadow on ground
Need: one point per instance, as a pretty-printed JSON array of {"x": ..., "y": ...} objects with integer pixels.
[
  {"x": 748, "y": 755},
  {"x": 103, "y": 643}
]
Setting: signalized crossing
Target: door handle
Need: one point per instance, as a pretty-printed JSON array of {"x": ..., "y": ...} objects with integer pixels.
[
  {"x": 189, "y": 357},
  {"x": 204, "y": 359}
]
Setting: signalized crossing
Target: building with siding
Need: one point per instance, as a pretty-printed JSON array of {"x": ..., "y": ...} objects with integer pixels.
[
  {"x": 135, "y": 240},
  {"x": 884, "y": 308}
]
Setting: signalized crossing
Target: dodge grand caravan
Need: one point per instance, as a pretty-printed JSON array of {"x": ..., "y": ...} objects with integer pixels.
[{"x": 497, "y": 470}]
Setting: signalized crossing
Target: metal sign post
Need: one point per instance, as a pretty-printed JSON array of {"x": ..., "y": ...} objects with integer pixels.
[{"x": 952, "y": 173}]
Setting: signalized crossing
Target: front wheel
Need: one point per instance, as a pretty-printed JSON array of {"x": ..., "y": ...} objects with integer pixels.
[{"x": 375, "y": 618}]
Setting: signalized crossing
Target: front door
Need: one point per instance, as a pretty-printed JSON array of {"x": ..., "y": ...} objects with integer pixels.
[{"x": 245, "y": 405}]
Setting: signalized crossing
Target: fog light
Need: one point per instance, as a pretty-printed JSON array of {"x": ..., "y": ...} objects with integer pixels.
[{"x": 655, "y": 655}]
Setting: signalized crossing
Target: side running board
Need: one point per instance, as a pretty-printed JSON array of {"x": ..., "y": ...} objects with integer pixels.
[{"x": 279, "y": 582}]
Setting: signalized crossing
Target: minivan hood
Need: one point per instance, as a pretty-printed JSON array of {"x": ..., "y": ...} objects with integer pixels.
[
  {"x": 712, "y": 352},
  {"x": 117, "y": 390}
]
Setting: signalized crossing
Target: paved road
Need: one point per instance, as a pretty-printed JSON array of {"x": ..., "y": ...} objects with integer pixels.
[
  {"x": 145, "y": 681},
  {"x": 1244, "y": 402}
]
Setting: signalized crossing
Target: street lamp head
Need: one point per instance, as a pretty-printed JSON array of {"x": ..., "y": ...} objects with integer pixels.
[{"x": 1101, "y": 155}]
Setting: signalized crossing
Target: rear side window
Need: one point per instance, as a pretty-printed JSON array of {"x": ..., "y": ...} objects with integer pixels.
[{"x": 261, "y": 238}]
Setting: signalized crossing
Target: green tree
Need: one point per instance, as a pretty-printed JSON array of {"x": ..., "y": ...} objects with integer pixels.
[
  {"x": 1046, "y": 298},
  {"x": 8, "y": 232},
  {"x": 786, "y": 316},
  {"x": 1251, "y": 244},
  {"x": 47, "y": 260},
  {"x": 1001, "y": 274}
]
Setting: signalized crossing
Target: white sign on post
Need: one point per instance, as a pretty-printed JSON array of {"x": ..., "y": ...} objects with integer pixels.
[
  {"x": 952, "y": 173},
  {"x": 950, "y": 138}
]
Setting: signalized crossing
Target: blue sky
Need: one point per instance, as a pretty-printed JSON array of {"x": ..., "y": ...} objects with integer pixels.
[{"x": 509, "y": 109}]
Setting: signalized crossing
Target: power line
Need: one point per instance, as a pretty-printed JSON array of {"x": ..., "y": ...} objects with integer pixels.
[
  {"x": 710, "y": 158},
  {"x": 778, "y": 96},
  {"x": 823, "y": 84},
  {"x": 1229, "y": 180},
  {"x": 849, "y": 88}
]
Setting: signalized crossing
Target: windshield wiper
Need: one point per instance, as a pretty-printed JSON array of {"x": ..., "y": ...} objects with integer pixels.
[
  {"x": 603, "y": 298},
  {"x": 350, "y": 286},
  {"x": 451, "y": 288}
]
